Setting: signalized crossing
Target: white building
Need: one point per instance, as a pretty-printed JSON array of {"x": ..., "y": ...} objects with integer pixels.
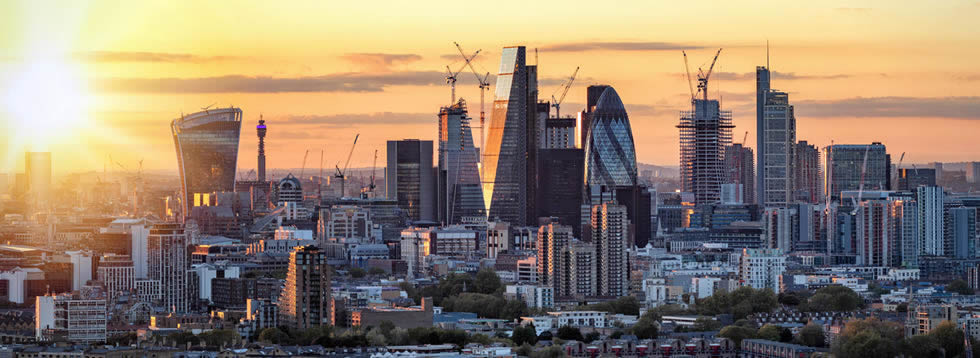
[
  {"x": 527, "y": 270},
  {"x": 345, "y": 222},
  {"x": 596, "y": 319},
  {"x": 532, "y": 295},
  {"x": 293, "y": 233},
  {"x": 77, "y": 319},
  {"x": 762, "y": 268},
  {"x": 208, "y": 272},
  {"x": 655, "y": 291},
  {"x": 81, "y": 263},
  {"x": 704, "y": 287},
  {"x": 117, "y": 274}
]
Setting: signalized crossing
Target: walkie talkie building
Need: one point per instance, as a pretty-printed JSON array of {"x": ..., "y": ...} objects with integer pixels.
[{"x": 207, "y": 153}]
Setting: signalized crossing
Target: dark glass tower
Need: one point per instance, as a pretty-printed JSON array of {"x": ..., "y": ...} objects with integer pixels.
[
  {"x": 410, "y": 178},
  {"x": 510, "y": 154},
  {"x": 610, "y": 157},
  {"x": 207, "y": 153}
]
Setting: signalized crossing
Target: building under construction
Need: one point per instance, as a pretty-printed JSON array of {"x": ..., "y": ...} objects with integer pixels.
[{"x": 705, "y": 131}]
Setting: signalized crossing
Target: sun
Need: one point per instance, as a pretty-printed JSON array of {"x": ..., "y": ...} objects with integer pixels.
[{"x": 44, "y": 102}]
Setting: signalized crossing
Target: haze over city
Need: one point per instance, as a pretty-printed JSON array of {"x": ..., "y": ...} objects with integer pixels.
[{"x": 85, "y": 80}]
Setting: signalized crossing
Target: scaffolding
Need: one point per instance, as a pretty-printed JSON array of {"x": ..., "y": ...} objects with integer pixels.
[{"x": 705, "y": 131}]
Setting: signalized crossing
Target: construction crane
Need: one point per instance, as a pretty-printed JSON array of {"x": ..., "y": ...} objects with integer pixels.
[
  {"x": 484, "y": 87},
  {"x": 303, "y": 168},
  {"x": 341, "y": 174},
  {"x": 703, "y": 77},
  {"x": 374, "y": 169},
  {"x": 319, "y": 181},
  {"x": 898, "y": 169},
  {"x": 690, "y": 84},
  {"x": 451, "y": 76},
  {"x": 556, "y": 102}
]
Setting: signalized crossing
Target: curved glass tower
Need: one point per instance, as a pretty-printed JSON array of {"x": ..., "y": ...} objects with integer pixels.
[
  {"x": 207, "y": 153},
  {"x": 610, "y": 157}
]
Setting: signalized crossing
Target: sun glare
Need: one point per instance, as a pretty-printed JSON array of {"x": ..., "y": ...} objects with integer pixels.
[{"x": 44, "y": 102}]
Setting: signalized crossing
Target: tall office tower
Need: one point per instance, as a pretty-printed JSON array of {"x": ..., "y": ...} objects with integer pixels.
[
  {"x": 876, "y": 244},
  {"x": 781, "y": 228},
  {"x": 37, "y": 168},
  {"x": 409, "y": 178},
  {"x": 705, "y": 131},
  {"x": 610, "y": 155},
  {"x": 610, "y": 238},
  {"x": 559, "y": 133},
  {"x": 460, "y": 190},
  {"x": 584, "y": 118},
  {"x": 207, "y": 153},
  {"x": 578, "y": 271},
  {"x": 777, "y": 140},
  {"x": 909, "y": 179},
  {"x": 740, "y": 169},
  {"x": 306, "y": 300},
  {"x": 117, "y": 274},
  {"x": 762, "y": 87},
  {"x": 762, "y": 268},
  {"x": 847, "y": 168},
  {"x": 929, "y": 217},
  {"x": 560, "y": 186},
  {"x": 972, "y": 172},
  {"x": 168, "y": 264},
  {"x": 509, "y": 155},
  {"x": 904, "y": 212},
  {"x": 808, "y": 176},
  {"x": 964, "y": 232},
  {"x": 260, "y": 130},
  {"x": 551, "y": 242}
]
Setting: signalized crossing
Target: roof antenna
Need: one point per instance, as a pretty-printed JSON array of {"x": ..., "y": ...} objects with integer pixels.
[{"x": 767, "y": 56}]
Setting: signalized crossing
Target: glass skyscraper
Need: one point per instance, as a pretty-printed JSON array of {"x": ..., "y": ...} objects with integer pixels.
[
  {"x": 207, "y": 153},
  {"x": 410, "y": 178},
  {"x": 510, "y": 154},
  {"x": 610, "y": 155},
  {"x": 460, "y": 190}
]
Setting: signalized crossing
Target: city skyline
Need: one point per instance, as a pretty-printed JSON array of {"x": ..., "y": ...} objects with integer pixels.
[{"x": 857, "y": 74}]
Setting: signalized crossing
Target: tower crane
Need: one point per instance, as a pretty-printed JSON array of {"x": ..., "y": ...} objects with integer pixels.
[
  {"x": 374, "y": 169},
  {"x": 303, "y": 168},
  {"x": 690, "y": 84},
  {"x": 342, "y": 174},
  {"x": 703, "y": 77},
  {"x": 484, "y": 87},
  {"x": 556, "y": 102},
  {"x": 451, "y": 76}
]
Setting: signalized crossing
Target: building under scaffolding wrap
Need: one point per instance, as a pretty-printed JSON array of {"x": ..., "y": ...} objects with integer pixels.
[{"x": 705, "y": 131}]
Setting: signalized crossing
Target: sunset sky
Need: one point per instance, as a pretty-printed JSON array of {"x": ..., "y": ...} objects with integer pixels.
[{"x": 87, "y": 79}]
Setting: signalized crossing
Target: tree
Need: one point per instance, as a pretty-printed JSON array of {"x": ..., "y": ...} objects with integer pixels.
[
  {"x": 923, "y": 346},
  {"x": 959, "y": 286},
  {"x": 357, "y": 272},
  {"x": 869, "y": 338},
  {"x": 785, "y": 335},
  {"x": 623, "y": 305},
  {"x": 570, "y": 333},
  {"x": 835, "y": 298},
  {"x": 739, "y": 303},
  {"x": 487, "y": 281},
  {"x": 812, "y": 335},
  {"x": 218, "y": 338},
  {"x": 737, "y": 334},
  {"x": 902, "y": 307},
  {"x": 524, "y": 335},
  {"x": 514, "y": 309},
  {"x": 376, "y": 271},
  {"x": 592, "y": 337},
  {"x": 769, "y": 332},
  {"x": 949, "y": 336},
  {"x": 705, "y": 324},
  {"x": 550, "y": 352},
  {"x": 789, "y": 299},
  {"x": 647, "y": 327}
]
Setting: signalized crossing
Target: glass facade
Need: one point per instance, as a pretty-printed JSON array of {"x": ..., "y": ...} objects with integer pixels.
[
  {"x": 460, "y": 193},
  {"x": 207, "y": 152},
  {"x": 506, "y": 156},
  {"x": 410, "y": 178},
  {"x": 610, "y": 154}
]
